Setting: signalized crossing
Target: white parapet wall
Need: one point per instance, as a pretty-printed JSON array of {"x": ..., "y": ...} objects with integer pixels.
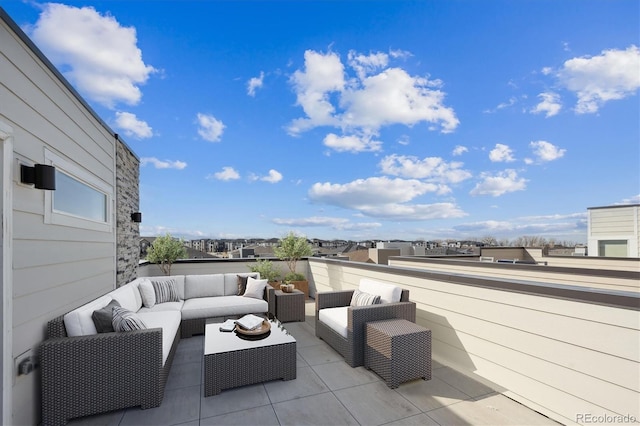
[{"x": 566, "y": 352}]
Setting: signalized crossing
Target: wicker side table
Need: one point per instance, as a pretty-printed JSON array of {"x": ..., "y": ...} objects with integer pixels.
[
  {"x": 398, "y": 351},
  {"x": 289, "y": 306}
]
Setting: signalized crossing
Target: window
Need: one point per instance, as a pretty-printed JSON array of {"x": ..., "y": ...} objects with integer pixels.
[
  {"x": 75, "y": 198},
  {"x": 81, "y": 199},
  {"x": 612, "y": 248}
]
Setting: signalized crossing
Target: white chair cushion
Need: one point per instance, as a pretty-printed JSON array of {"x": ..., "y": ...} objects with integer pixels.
[
  {"x": 336, "y": 319},
  {"x": 207, "y": 307},
  {"x": 210, "y": 285},
  {"x": 169, "y": 321},
  {"x": 388, "y": 293},
  {"x": 128, "y": 296},
  {"x": 79, "y": 322}
]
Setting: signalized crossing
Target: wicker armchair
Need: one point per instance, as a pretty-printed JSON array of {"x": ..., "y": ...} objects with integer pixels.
[
  {"x": 88, "y": 375},
  {"x": 352, "y": 348}
]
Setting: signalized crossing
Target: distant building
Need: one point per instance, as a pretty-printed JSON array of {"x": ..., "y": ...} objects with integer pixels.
[{"x": 613, "y": 231}]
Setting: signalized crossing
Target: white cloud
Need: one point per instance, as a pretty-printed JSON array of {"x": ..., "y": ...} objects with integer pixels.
[
  {"x": 511, "y": 102},
  {"x": 395, "y": 97},
  {"x": 274, "y": 176},
  {"x": 499, "y": 184},
  {"x": 210, "y": 129},
  {"x": 351, "y": 143},
  {"x": 322, "y": 75},
  {"x": 545, "y": 151},
  {"x": 459, "y": 150},
  {"x": 431, "y": 168},
  {"x": 549, "y": 104},
  {"x": 101, "y": 56},
  {"x": 367, "y": 64},
  {"x": 400, "y": 54},
  {"x": 227, "y": 173},
  {"x": 382, "y": 197},
  {"x": 370, "y": 191},
  {"x": 160, "y": 164},
  {"x": 255, "y": 83},
  {"x": 408, "y": 212},
  {"x": 322, "y": 221},
  {"x": 132, "y": 126},
  {"x": 635, "y": 199},
  {"x": 598, "y": 79},
  {"x": 374, "y": 97},
  {"x": 501, "y": 153}
]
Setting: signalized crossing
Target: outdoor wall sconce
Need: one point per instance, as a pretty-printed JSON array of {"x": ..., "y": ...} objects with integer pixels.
[
  {"x": 39, "y": 175},
  {"x": 136, "y": 217}
]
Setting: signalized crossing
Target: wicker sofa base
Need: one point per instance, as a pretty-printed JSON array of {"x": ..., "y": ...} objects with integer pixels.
[{"x": 88, "y": 375}]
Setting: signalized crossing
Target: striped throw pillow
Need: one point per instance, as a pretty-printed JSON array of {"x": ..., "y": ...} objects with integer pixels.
[
  {"x": 125, "y": 320},
  {"x": 360, "y": 298},
  {"x": 166, "y": 291}
]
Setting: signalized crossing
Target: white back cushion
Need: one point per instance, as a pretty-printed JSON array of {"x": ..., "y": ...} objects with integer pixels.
[
  {"x": 79, "y": 322},
  {"x": 179, "y": 279},
  {"x": 388, "y": 293},
  {"x": 203, "y": 286},
  {"x": 128, "y": 296},
  {"x": 231, "y": 281}
]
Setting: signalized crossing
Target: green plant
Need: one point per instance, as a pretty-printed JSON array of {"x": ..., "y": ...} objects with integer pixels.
[
  {"x": 267, "y": 270},
  {"x": 165, "y": 251},
  {"x": 291, "y": 249}
]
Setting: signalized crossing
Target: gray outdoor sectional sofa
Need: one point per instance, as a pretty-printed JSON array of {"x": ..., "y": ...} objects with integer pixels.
[{"x": 87, "y": 372}]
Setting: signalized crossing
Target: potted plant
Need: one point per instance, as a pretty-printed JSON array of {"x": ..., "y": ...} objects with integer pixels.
[
  {"x": 266, "y": 269},
  {"x": 166, "y": 250},
  {"x": 292, "y": 248}
]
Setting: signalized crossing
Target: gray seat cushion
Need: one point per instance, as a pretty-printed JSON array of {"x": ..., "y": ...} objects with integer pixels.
[{"x": 208, "y": 307}]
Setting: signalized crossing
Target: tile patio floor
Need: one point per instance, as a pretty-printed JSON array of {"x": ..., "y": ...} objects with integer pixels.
[{"x": 326, "y": 392}]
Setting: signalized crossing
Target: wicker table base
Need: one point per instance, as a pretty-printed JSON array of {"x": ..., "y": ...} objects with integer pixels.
[
  {"x": 289, "y": 306},
  {"x": 398, "y": 351},
  {"x": 243, "y": 362}
]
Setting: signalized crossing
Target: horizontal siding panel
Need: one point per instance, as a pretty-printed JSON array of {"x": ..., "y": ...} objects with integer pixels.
[
  {"x": 539, "y": 275},
  {"x": 44, "y": 132},
  {"x": 580, "y": 360},
  {"x": 30, "y": 280},
  {"x": 31, "y": 226},
  {"x": 534, "y": 319},
  {"x": 28, "y": 254},
  {"x": 61, "y": 299},
  {"x": 579, "y": 385},
  {"x": 55, "y": 102}
]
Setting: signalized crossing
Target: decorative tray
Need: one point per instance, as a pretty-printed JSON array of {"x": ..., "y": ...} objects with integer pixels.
[{"x": 264, "y": 328}]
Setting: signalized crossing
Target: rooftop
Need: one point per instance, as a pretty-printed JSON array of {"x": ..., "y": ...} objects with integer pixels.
[{"x": 327, "y": 391}]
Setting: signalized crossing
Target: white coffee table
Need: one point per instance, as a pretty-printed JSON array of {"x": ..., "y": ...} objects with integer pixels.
[{"x": 231, "y": 361}]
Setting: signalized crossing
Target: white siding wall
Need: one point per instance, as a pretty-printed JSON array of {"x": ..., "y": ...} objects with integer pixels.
[
  {"x": 615, "y": 223},
  {"x": 560, "y": 357},
  {"x": 56, "y": 268},
  {"x": 534, "y": 273}
]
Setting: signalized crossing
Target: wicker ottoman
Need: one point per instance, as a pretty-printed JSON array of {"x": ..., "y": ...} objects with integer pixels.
[
  {"x": 289, "y": 306},
  {"x": 398, "y": 351}
]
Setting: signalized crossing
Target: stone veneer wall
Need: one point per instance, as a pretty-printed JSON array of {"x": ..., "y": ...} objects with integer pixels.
[{"x": 127, "y": 202}]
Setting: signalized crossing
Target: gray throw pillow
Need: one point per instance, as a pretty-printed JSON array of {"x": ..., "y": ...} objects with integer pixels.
[
  {"x": 103, "y": 318},
  {"x": 125, "y": 320},
  {"x": 166, "y": 291}
]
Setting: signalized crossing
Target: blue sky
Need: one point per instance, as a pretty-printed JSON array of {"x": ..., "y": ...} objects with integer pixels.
[{"x": 361, "y": 120}]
